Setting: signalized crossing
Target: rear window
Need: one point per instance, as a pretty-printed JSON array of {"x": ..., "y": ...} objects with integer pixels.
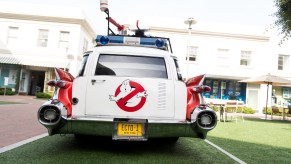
[{"x": 132, "y": 66}]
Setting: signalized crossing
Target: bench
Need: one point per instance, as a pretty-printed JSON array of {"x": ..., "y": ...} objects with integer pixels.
[
  {"x": 275, "y": 110},
  {"x": 234, "y": 112},
  {"x": 284, "y": 112}
]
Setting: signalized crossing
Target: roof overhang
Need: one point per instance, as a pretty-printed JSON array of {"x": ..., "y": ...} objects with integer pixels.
[
  {"x": 8, "y": 60},
  {"x": 45, "y": 62}
]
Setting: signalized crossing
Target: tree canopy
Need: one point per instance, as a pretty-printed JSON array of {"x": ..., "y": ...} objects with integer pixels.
[{"x": 283, "y": 14}]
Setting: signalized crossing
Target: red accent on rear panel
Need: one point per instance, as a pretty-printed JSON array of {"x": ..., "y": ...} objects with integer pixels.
[
  {"x": 194, "y": 81},
  {"x": 65, "y": 97},
  {"x": 65, "y": 93},
  {"x": 66, "y": 76},
  {"x": 193, "y": 100}
]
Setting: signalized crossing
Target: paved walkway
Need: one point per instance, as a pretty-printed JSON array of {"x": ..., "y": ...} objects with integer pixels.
[{"x": 19, "y": 121}]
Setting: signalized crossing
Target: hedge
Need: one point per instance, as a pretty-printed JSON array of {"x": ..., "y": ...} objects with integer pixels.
[
  {"x": 246, "y": 110},
  {"x": 8, "y": 91},
  {"x": 46, "y": 95},
  {"x": 269, "y": 112}
]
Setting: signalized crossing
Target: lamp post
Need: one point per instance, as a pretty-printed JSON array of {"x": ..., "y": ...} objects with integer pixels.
[{"x": 190, "y": 21}]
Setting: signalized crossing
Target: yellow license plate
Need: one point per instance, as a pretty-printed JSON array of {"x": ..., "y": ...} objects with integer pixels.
[{"x": 129, "y": 129}]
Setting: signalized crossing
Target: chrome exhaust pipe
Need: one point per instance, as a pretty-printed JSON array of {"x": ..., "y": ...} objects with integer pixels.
[
  {"x": 50, "y": 114},
  {"x": 205, "y": 119}
]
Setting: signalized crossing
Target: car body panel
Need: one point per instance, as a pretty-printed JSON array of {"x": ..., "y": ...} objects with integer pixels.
[{"x": 129, "y": 84}]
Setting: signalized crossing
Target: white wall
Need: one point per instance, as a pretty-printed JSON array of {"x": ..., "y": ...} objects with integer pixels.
[
  {"x": 29, "y": 18},
  {"x": 264, "y": 47}
]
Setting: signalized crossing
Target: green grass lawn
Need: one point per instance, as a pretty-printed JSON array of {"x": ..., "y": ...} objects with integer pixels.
[
  {"x": 67, "y": 149},
  {"x": 9, "y": 102},
  {"x": 255, "y": 140}
]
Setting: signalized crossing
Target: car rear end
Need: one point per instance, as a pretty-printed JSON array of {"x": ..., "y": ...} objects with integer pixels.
[
  {"x": 131, "y": 88},
  {"x": 128, "y": 93}
]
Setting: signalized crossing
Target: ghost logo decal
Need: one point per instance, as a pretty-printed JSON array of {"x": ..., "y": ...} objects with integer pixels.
[{"x": 129, "y": 96}]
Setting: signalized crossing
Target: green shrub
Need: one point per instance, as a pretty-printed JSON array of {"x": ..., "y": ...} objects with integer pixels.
[
  {"x": 215, "y": 108},
  {"x": 229, "y": 109},
  {"x": 46, "y": 95},
  {"x": 8, "y": 91},
  {"x": 248, "y": 110},
  {"x": 269, "y": 112}
]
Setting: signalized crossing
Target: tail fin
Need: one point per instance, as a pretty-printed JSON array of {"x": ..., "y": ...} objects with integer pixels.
[
  {"x": 63, "y": 75},
  {"x": 195, "y": 81}
]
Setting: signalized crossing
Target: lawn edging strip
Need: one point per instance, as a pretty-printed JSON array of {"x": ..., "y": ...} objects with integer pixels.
[
  {"x": 225, "y": 152},
  {"x": 10, "y": 147}
]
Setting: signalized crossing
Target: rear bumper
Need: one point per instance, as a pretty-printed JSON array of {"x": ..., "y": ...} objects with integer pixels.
[
  {"x": 106, "y": 128},
  {"x": 53, "y": 117}
]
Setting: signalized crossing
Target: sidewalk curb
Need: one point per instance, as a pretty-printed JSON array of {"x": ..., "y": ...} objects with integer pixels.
[{"x": 10, "y": 147}]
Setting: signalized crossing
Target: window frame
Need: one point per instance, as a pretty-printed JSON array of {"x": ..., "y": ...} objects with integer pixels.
[
  {"x": 193, "y": 53},
  {"x": 40, "y": 38},
  {"x": 165, "y": 69},
  {"x": 246, "y": 58},
  {"x": 83, "y": 65},
  {"x": 285, "y": 62},
  {"x": 12, "y": 34},
  {"x": 63, "y": 41},
  {"x": 223, "y": 57}
]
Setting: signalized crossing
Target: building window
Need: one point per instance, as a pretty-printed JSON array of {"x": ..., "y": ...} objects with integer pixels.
[
  {"x": 12, "y": 36},
  {"x": 283, "y": 62},
  {"x": 222, "y": 57},
  {"x": 42, "y": 38},
  {"x": 193, "y": 52},
  {"x": 85, "y": 45},
  {"x": 64, "y": 39},
  {"x": 245, "y": 59}
]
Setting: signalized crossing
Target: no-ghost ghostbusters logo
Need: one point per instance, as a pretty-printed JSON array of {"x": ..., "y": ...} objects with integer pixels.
[{"x": 130, "y": 96}]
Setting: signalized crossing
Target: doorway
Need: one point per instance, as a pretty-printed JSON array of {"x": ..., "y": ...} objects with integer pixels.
[
  {"x": 36, "y": 82},
  {"x": 253, "y": 99}
]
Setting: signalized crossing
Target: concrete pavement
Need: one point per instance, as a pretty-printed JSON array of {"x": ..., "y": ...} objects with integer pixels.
[{"x": 19, "y": 121}]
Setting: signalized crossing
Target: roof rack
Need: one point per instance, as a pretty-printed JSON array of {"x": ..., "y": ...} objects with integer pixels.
[
  {"x": 138, "y": 39},
  {"x": 145, "y": 41}
]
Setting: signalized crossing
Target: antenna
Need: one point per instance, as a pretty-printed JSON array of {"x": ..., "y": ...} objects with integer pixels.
[
  {"x": 104, "y": 8},
  {"x": 103, "y": 5}
]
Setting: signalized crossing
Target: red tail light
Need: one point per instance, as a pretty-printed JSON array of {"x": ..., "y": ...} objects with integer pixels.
[
  {"x": 58, "y": 83},
  {"x": 202, "y": 88},
  {"x": 51, "y": 83}
]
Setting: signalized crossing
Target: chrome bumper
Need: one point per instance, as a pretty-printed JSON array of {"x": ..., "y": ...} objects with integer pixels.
[{"x": 105, "y": 127}]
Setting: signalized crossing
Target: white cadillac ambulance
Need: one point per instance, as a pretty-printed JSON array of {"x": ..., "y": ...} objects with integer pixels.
[{"x": 128, "y": 88}]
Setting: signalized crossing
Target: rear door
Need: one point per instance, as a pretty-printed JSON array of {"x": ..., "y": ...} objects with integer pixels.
[{"x": 130, "y": 86}]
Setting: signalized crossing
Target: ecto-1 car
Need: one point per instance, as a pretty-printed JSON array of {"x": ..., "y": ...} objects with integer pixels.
[{"x": 128, "y": 88}]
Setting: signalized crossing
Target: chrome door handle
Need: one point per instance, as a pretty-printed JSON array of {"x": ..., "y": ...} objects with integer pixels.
[{"x": 93, "y": 81}]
